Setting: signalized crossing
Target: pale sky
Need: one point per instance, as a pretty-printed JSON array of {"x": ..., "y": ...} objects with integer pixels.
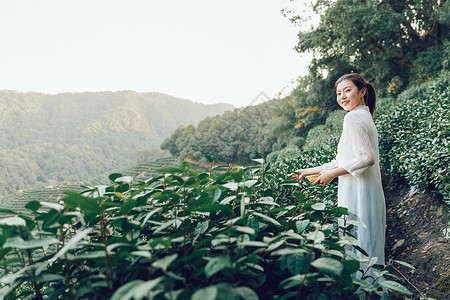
[{"x": 207, "y": 51}]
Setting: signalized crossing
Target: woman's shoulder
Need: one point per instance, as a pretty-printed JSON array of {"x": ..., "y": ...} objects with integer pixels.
[
  {"x": 358, "y": 118},
  {"x": 359, "y": 113},
  {"x": 352, "y": 116}
]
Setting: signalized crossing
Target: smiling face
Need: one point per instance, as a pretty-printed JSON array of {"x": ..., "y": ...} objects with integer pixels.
[{"x": 348, "y": 96}]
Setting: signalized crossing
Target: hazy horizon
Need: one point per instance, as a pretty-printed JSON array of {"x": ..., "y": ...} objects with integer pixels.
[{"x": 206, "y": 51}]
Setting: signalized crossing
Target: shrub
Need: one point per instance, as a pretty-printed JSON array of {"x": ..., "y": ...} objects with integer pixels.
[
  {"x": 326, "y": 136},
  {"x": 414, "y": 137},
  {"x": 245, "y": 233}
]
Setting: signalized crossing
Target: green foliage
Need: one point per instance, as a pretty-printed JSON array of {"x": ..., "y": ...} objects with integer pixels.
[
  {"x": 319, "y": 147},
  {"x": 379, "y": 39},
  {"x": 48, "y": 139},
  {"x": 414, "y": 136},
  {"x": 393, "y": 44},
  {"x": 326, "y": 136},
  {"x": 236, "y": 136},
  {"x": 243, "y": 233}
]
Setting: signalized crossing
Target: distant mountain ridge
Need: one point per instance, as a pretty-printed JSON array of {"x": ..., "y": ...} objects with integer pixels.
[{"x": 73, "y": 136}]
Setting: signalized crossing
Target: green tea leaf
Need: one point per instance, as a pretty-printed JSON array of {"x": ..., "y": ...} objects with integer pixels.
[
  {"x": 231, "y": 185},
  {"x": 30, "y": 222},
  {"x": 405, "y": 264},
  {"x": 293, "y": 281},
  {"x": 318, "y": 206},
  {"x": 51, "y": 219},
  {"x": 245, "y": 229},
  {"x": 86, "y": 204},
  {"x": 246, "y": 293},
  {"x": 165, "y": 262},
  {"x": 114, "y": 176},
  {"x": 90, "y": 255},
  {"x": 55, "y": 206},
  {"x": 351, "y": 266},
  {"x": 301, "y": 225},
  {"x": 33, "y": 205},
  {"x": 252, "y": 244},
  {"x": 328, "y": 265},
  {"x": 356, "y": 223},
  {"x": 296, "y": 263},
  {"x": 128, "y": 205},
  {"x": 149, "y": 215},
  {"x": 142, "y": 289},
  {"x": 164, "y": 241},
  {"x": 267, "y": 201},
  {"x": 258, "y": 160},
  {"x": 395, "y": 286},
  {"x": 126, "y": 291},
  {"x": 146, "y": 254},
  {"x": 72, "y": 243},
  {"x": 50, "y": 277},
  {"x": 216, "y": 264},
  {"x": 267, "y": 218},
  {"x": 207, "y": 293},
  {"x": 238, "y": 176}
]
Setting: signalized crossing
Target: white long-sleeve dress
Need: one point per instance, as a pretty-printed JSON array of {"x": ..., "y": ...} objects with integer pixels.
[{"x": 361, "y": 191}]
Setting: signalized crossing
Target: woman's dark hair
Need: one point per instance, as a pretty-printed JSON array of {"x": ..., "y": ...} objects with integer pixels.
[{"x": 370, "y": 96}]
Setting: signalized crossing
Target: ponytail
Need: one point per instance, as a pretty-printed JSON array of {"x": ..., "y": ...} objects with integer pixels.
[{"x": 370, "y": 96}]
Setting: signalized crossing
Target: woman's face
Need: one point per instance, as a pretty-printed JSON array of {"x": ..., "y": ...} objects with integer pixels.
[{"x": 348, "y": 96}]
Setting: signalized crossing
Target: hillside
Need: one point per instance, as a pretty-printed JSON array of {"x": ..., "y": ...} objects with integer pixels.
[{"x": 48, "y": 139}]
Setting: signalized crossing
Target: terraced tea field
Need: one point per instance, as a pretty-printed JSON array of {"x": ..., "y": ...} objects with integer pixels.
[{"x": 141, "y": 171}]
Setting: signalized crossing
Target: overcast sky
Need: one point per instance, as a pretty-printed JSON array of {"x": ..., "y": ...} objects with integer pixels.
[{"x": 206, "y": 51}]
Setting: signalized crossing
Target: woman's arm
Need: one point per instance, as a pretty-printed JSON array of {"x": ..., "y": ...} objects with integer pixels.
[
  {"x": 326, "y": 176},
  {"x": 364, "y": 154},
  {"x": 299, "y": 174}
]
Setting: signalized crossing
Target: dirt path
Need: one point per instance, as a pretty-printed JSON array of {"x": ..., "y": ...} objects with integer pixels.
[{"x": 414, "y": 234}]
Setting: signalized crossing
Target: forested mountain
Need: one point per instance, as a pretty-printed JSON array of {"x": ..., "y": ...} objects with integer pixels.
[{"x": 73, "y": 136}]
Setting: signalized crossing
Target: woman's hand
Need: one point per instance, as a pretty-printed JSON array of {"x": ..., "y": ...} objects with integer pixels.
[
  {"x": 325, "y": 177},
  {"x": 299, "y": 174}
]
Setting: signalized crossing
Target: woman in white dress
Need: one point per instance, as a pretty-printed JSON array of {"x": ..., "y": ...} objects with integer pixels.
[{"x": 357, "y": 165}]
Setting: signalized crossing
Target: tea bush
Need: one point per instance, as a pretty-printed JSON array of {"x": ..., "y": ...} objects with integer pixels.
[
  {"x": 414, "y": 136},
  {"x": 326, "y": 137},
  {"x": 243, "y": 233}
]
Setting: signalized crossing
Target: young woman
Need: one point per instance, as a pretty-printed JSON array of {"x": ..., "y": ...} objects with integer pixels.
[{"x": 357, "y": 165}]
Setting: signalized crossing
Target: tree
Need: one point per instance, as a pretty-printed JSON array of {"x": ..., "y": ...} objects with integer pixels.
[
  {"x": 236, "y": 136},
  {"x": 380, "y": 39}
]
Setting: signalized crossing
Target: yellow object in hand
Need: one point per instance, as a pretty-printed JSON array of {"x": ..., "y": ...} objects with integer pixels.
[{"x": 312, "y": 178}]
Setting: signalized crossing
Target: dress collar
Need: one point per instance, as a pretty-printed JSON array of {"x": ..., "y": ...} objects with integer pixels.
[{"x": 361, "y": 107}]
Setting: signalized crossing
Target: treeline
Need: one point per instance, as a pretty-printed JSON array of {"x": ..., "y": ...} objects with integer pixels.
[
  {"x": 234, "y": 137},
  {"x": 49, "y": 139},
  {"x": 396, "y": 45}
]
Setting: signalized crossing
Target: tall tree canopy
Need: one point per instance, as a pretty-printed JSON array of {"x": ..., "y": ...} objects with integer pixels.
[{"x": 388, "y": 41}]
